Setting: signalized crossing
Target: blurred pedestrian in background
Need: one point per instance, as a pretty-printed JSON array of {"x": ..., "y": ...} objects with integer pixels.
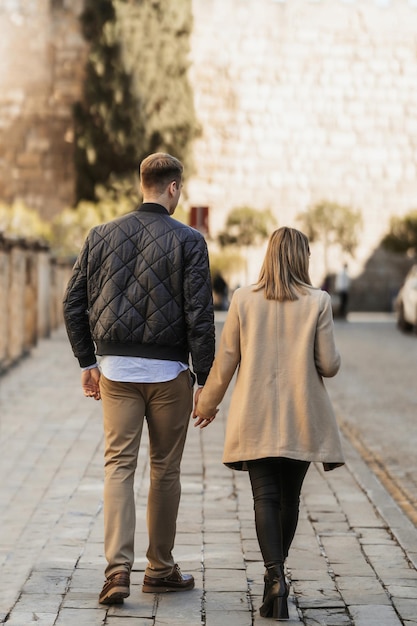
[
  {"x": 221, "y": 292},
  {"x": 342, "y": 287}
]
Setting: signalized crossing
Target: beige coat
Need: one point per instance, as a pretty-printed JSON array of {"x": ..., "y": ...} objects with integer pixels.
[{"x": 279, "y": 405}]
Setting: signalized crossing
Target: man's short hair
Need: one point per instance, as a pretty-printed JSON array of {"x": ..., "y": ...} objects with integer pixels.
[{"x": 158, "y": 170}]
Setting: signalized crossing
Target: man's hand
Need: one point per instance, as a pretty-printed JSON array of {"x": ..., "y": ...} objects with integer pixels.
[
  {"x": 202, "y": 421},
  {"x": 90, "y": 382}
]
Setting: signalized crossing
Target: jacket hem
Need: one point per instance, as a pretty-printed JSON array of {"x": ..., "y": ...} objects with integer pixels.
[{"x": 147, "y": 351}]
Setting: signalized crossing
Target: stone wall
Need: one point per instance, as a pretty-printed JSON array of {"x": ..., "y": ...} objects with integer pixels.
[
  {"x": 41, "y": 65},
  {"x": 303, "y": 100},
  {"x": 32, "y": 285},
  {"x": 298, "y": 101}
]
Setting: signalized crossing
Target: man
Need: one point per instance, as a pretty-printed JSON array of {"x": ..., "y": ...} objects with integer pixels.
[
  {"x": 140, "y": 296},
  {"x": 342, "y": 289}
]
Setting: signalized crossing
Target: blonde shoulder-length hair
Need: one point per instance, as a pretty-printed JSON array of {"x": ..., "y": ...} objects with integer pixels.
[{"x": 284, "y": 273}]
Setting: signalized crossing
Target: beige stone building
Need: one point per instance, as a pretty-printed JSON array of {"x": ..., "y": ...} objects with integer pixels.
[{"x": 298, "y": 101}]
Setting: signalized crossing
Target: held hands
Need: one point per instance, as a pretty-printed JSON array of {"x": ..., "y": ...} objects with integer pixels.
[
  {"x": 202, "y": 421},
  {"x": 90, "y": 383}
]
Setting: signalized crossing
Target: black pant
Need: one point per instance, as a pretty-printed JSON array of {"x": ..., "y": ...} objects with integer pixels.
[{"x": 276, "y": 486}]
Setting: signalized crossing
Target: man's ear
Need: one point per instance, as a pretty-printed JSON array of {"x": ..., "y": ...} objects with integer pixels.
[{"x": 172, "y": 187}]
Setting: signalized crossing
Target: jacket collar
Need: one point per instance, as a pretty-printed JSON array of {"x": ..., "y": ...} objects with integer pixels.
[{"x": 153, "y": 207}]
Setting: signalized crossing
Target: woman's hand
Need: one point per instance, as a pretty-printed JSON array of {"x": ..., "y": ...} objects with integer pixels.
[{"x": 202, "y": 420}]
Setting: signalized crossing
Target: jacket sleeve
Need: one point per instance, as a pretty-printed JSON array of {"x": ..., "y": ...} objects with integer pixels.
[
  {"x": 225, "y": 363},
  {"x": 198, "y": 308},
  {"x": 75, "y": 309},
  {"x": 326, "y": 355}
]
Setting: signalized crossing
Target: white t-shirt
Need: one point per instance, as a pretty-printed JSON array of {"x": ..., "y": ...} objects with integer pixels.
[
  {"x": 342, "y": 281},
  {"x": 136, "y": 369}
]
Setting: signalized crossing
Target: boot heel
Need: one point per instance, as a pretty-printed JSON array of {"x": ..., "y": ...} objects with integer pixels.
[{"x": 280, "y": 608}]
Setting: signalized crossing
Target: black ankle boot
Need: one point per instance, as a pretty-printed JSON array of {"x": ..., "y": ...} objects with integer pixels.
[{"x": 275, "y": 594}]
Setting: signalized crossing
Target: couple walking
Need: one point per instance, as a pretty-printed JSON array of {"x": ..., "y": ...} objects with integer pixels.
[{"x": 140, "y": 297}]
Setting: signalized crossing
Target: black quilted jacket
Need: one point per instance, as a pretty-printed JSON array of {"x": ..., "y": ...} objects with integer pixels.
[{"x": 141, "y": 287}]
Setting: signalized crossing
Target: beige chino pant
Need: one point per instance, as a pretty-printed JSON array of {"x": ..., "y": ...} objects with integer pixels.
[{"x": 167, "y": 407}]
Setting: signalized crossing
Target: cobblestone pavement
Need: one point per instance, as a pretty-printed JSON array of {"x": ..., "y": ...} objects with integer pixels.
[
  {"x": 375, "y": 397},
  {"x": 353, "y": 561}
]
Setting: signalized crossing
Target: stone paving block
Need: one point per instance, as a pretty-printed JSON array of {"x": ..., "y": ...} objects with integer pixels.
[
  {"x": 251, "y": 555},
  {"x": 352, "y": 568},
  {"x": 324, "y": 589},
  {"x": 332, "y": 524},
  {"x": 362, "y": 590},
  {"x": 405, "y": 589},
  {"x": 224, "y": 561},
  {"x": 378, "y": 536},
  {"x": 327, "y": 617},
  {"x": 392, "y": 553},
  {"x": 189, "y": 537},
  {"x": 53, "y": 581},
  {"x": 226, "y": 601},
  {"x": 398, "y": 574},
  {"x": 338, "y": 548},
  {"x": 19, "y": 618},
  {"x": 374, "y": 615},
  {"x": 248, "y": 530},
  {"x": 226, "y": 538},
  {"x": 406, "y": 607},
  {"x": 82, "y": 599},
  {"x": 231, "y": 618},
  {"x": 180, "y": 608},
  {"x": 215, "y": 524},
  {"x": 329, "y": 603},
  {"x": 361, "y": 514},
  {"x": 87, "y": 580},
  {"x": 190, "y": 553},
  {"x": 225, "y": 580},
  {"x": 81, "y": 617},
  {"x": 33, "y": 602}
]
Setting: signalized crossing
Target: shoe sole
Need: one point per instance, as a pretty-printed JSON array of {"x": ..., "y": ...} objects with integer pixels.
[
  {"x": 115, "y": 597},
  {"x": 165, "y": 588}
]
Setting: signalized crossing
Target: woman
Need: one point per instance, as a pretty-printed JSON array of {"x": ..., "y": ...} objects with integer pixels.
[{"x": 279, "y": 335}]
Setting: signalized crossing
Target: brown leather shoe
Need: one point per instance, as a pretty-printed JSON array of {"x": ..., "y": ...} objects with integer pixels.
[
  {"x": 115, "y": 589},
  {"x": 174, "y": 582}
]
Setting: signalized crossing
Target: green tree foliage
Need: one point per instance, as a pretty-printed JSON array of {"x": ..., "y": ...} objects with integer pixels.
[
  {"x": 402, "y": 236},
  {"x": 70, "y": 227},
  {"x": 137, "y": 98},
  {"x": 333, "y": 225},
  {"x": 227, "y": 262},
  {"x": 20, "y": 221},
  {"x": 246, "y": 227}
]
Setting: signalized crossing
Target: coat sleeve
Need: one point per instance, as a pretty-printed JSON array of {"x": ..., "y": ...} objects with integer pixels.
[
  {"x": 225, "y": 363},
  {"x": 75, "y": 308},
  {"x": 198, "y": 308},
  {"x": 326, "y": 355}
]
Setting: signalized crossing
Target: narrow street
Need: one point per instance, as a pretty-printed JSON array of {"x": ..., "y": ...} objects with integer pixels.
[
  {"x": 375, "y": 395},
  {"x": 353, "y": 560}
]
